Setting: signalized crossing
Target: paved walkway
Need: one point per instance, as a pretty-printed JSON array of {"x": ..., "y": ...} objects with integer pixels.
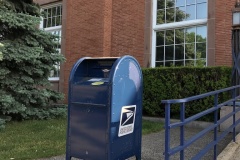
[{"x": 153, "y": 145}]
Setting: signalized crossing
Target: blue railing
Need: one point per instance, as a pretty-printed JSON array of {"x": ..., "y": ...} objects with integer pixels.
[{"x": 214, "y": 127}]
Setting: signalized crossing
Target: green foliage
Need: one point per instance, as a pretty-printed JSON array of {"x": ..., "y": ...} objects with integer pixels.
[
  {"x": 45, "y": 113},
  {"x": 2, "y": 123},
  {"x": 1, "y": 48},
  {"x": 182, "y": 82},
  {"x": 151, "y": 127},
  {"x": 33, "y": 139},
  {"x": 28, "y": 55}
]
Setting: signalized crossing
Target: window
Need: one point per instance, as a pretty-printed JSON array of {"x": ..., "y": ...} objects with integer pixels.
[
  {"x": 53, "y": 16},
  {"x": 179, "y": 33},
  {"x": 52, "y": 22}
]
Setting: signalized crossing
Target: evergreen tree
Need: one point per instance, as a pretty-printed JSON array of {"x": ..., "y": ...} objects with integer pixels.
[
  {"x": 28, "y": 56},
  {"x": 1, "y": 48}
]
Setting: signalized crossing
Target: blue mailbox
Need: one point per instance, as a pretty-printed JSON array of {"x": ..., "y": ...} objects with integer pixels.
[{"x": 105, "y": 109}]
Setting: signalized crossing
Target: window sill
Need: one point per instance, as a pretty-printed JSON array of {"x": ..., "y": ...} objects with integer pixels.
[{"x": 53, "y": 79}]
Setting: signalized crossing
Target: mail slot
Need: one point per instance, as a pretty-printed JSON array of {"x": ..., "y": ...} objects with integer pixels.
[{"x": 105, "y": 109}]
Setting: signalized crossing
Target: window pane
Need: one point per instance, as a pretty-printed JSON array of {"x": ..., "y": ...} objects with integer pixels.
[
  {"x": 49, "y": 22},
  {"x": 55, "y": 71},
  {"x": 179, "y": 52},
  {"x": 160, "y": 4},
  {"x": 160, "y": 16},
  {"x": 190, "y": 12},
  {"x": 170, "y": 3},
  {"x": 53, "y": 21},
  {"x": 169, "y": 11},
  {"x": 169, "y": 52},
  {"x": 200, "y": 50},
  {"x": 184, "y": 46},
  {"x": 170, "y": 15},
  {"x": 45, "y": 13},
  {"x": 200, "y": 1},
  {"x": 49, "y": 12},
  {"x": 190, "y": 51},
  {"x": 44, "y": 23},
  {"x": 169, "y": 64},
  {"x": 189, "y": 62},
  {"x": 159, "y": 64},
  {"x": 58, "y": 19},
  {"x": 160, "y": 53},
  {"x": 180, "y": 3},
  {"x": 179, "y": 36},
  {"x": 191, "y": 2},
  {"x": 160, "y": 38},
  {"x": 201, "y": 34},
  {"x": 53, "y": 18},
  {"x": 201, "y": 10},
  {"x": 169, "y": 37},
  {"x": 190, "y": 35},
  {"x": 180, "y": 14},
  {"x": 54, "y": 13},
  {"x": 201, "y": 62},
  {"x": 59, "y": 10},
  {"x": 179, "y": 63}
]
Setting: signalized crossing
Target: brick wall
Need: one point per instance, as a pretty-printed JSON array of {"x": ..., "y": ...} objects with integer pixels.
[
  {"x": 223, "y": 26},
  {"x": 101, "y": 28},
  {"x": 128, "y": 28}
]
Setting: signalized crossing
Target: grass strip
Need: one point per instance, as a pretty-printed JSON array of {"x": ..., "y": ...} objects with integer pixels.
[{"x": 35, "y": 139}]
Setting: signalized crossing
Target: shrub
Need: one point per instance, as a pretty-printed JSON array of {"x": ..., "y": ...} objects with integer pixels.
[{"x": 181, "y": 82}]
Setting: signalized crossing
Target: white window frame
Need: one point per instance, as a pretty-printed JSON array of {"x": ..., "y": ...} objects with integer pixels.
[
  {"x": 51, "y": 29},
  {"x": 167, "y": 26}
]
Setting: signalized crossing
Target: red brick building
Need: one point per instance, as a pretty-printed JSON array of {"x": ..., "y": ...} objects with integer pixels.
[{"x": 155, "y": 32}]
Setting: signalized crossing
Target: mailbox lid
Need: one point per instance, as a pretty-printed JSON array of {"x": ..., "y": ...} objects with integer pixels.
[
  {"x": 91, "y": 68},
  {"x": 89, "y": 80}
]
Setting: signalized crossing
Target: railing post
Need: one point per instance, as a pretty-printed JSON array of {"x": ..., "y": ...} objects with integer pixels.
[
  {"x": 215, "y": 122},
  {"x": 234, "y": 117},
  {"x": 182, "y": 139},
  {"x": 167, "y": 130}
]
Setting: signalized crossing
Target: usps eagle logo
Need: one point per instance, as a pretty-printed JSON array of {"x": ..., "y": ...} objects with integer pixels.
[{"x": 127, "y": 120}]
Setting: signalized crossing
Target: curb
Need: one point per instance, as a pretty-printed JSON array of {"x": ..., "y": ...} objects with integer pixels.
[
  {"x": 194, "y": 124},
  {"x": 230, "y": 151}
]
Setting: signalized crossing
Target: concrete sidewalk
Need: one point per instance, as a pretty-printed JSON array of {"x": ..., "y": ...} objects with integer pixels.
[{"x": 153, "y": 145}]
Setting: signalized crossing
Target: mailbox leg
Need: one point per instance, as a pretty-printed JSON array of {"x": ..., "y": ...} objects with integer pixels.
[
  {"x": 138, "y": 157},
  {"x": 68, "y": 157}
]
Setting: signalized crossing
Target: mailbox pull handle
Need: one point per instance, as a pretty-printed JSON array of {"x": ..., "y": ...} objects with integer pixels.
[{"x": 105, "y": 73}]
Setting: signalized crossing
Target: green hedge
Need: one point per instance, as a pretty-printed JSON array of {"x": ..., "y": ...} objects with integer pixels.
[{"x": 181, "y": 82}]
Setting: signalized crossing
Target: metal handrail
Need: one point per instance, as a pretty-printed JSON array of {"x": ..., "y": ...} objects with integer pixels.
[
  {"x": 183, "y": 121},
  {"x": 188, "y": 99}
]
